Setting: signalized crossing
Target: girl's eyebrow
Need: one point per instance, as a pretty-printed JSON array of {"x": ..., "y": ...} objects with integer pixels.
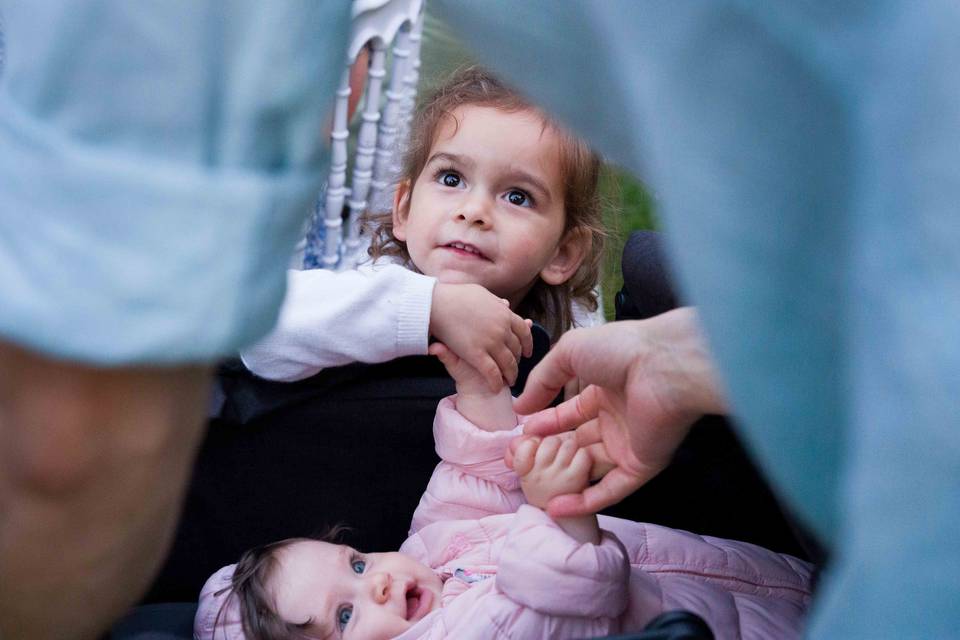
[
  {"x": 520, "y": 175},
  {"x": 452, "y": 158}
]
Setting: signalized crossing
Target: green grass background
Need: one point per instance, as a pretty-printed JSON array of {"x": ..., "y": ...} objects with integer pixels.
[{"x": 627, "y": 207}]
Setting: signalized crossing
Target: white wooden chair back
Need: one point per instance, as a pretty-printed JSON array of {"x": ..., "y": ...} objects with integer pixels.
[{"x": 333, "y": 240}]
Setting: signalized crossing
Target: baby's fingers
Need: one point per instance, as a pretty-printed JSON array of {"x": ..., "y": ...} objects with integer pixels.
[
  {"x": 547, "y": 450},
  {"x": 566, "y": 452},
  {"x": 524, "y": 455},
  {"x": 581, "y": 464},
  {"x": 443, "y": 353},
  {"x": 614, "y": 487}
]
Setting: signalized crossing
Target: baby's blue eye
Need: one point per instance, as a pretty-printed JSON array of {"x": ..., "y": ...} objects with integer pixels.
[
  {"x": 359, "y": 566},
  {"x": 518, "y": 198},
  {"x": 343, "y": 616},
  {"x": 450, "y": 179}
]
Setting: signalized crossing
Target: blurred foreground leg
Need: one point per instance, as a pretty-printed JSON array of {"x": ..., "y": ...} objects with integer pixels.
[{"x": 93, "y": 465}]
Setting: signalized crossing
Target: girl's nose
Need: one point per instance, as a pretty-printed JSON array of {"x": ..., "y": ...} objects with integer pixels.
[
  {"x": 381, "y": 587},
  {"x": 475, "y": 211}
]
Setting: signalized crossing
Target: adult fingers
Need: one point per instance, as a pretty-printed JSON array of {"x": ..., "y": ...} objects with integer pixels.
[
  {"x": 565, "y": 416},
  {"x": 601, "y": 355},
  {"x": 547, "y": 379},
  {"x": 601, "y": 463},
  {"x": 588, "y": 433},
  {"x": 614, "y": 487}
]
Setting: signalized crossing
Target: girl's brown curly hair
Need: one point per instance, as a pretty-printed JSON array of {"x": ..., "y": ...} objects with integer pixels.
[{"x": 549, "y": 305}]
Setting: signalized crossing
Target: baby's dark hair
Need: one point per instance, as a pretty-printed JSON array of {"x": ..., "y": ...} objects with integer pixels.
[
  {"x": 258, "y": 611},
  {"x": 549, "y": 305}
]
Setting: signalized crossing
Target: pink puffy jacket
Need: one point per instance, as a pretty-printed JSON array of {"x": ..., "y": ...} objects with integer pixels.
[{"x": 513, "y": 573}]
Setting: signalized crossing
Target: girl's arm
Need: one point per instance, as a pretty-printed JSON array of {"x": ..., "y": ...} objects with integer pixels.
[{"x": 372, "y": 314}]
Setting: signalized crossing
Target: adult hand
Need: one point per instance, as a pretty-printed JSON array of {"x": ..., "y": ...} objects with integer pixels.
[{"x": 650, "y": 380}]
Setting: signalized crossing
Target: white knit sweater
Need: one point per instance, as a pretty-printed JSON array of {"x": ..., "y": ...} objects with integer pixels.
[{"x": 373, "y": 313}]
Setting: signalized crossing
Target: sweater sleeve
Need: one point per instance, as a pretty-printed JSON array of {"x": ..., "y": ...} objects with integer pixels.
[
  {"x": 472, "y": 480},
  {"x": 371, "y": 314}
]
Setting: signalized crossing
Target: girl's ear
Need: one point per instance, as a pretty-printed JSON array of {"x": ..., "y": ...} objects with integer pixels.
[
  {"x": 569, "y": 256},
  {"x": 401, "y": 210}
]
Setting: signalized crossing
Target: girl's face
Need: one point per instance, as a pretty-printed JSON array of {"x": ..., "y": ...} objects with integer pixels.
[
  {"x": 341, "y": 593},
  {"x": 488, "y": 207}
]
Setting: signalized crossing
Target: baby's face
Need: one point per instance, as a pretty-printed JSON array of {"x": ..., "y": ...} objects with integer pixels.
[
  {"x": 342, "y": 593},
  {"x": 488, "y": 207}
]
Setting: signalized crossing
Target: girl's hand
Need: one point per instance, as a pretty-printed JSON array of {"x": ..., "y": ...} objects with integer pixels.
[{"x": 480, "y": 328}]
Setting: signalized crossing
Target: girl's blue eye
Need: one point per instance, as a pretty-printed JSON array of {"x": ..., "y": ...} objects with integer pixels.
[
  {"x": 359, "y": 566},
  {"x": 518, "y": 198},
  {"x": 343, "y": 616},
  {"x": 450, "y": 179}
]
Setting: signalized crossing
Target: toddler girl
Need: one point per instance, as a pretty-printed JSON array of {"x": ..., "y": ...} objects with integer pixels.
[
  {"x": 496, "y": 218},
  {"x": 484, "y": 560}
]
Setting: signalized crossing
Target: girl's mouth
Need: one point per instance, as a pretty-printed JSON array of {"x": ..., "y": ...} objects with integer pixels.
[{"x": 465, "y": 250}]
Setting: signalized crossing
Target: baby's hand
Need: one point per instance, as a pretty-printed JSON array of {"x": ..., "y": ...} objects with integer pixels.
[
  {"x": 468, "y": 379},
  {"x": 550, "y": 467},
  {"x": 480, "y": 328},
  {"x": 489, "y": 410}
]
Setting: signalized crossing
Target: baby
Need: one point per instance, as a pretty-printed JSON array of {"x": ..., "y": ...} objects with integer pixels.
[
  {"x": 484, "y": 560},
  {"x": 495, "y": 218}
]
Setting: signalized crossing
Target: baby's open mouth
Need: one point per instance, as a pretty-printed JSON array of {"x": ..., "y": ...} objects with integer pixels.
[{"x": 417, "y": 601}]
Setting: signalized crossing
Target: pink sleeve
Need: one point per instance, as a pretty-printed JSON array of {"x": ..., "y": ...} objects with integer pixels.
[
  {"x": 547, "y": 586},
  {"x": 543, "y": 568},
  {"x": 471, "y": 481}
]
